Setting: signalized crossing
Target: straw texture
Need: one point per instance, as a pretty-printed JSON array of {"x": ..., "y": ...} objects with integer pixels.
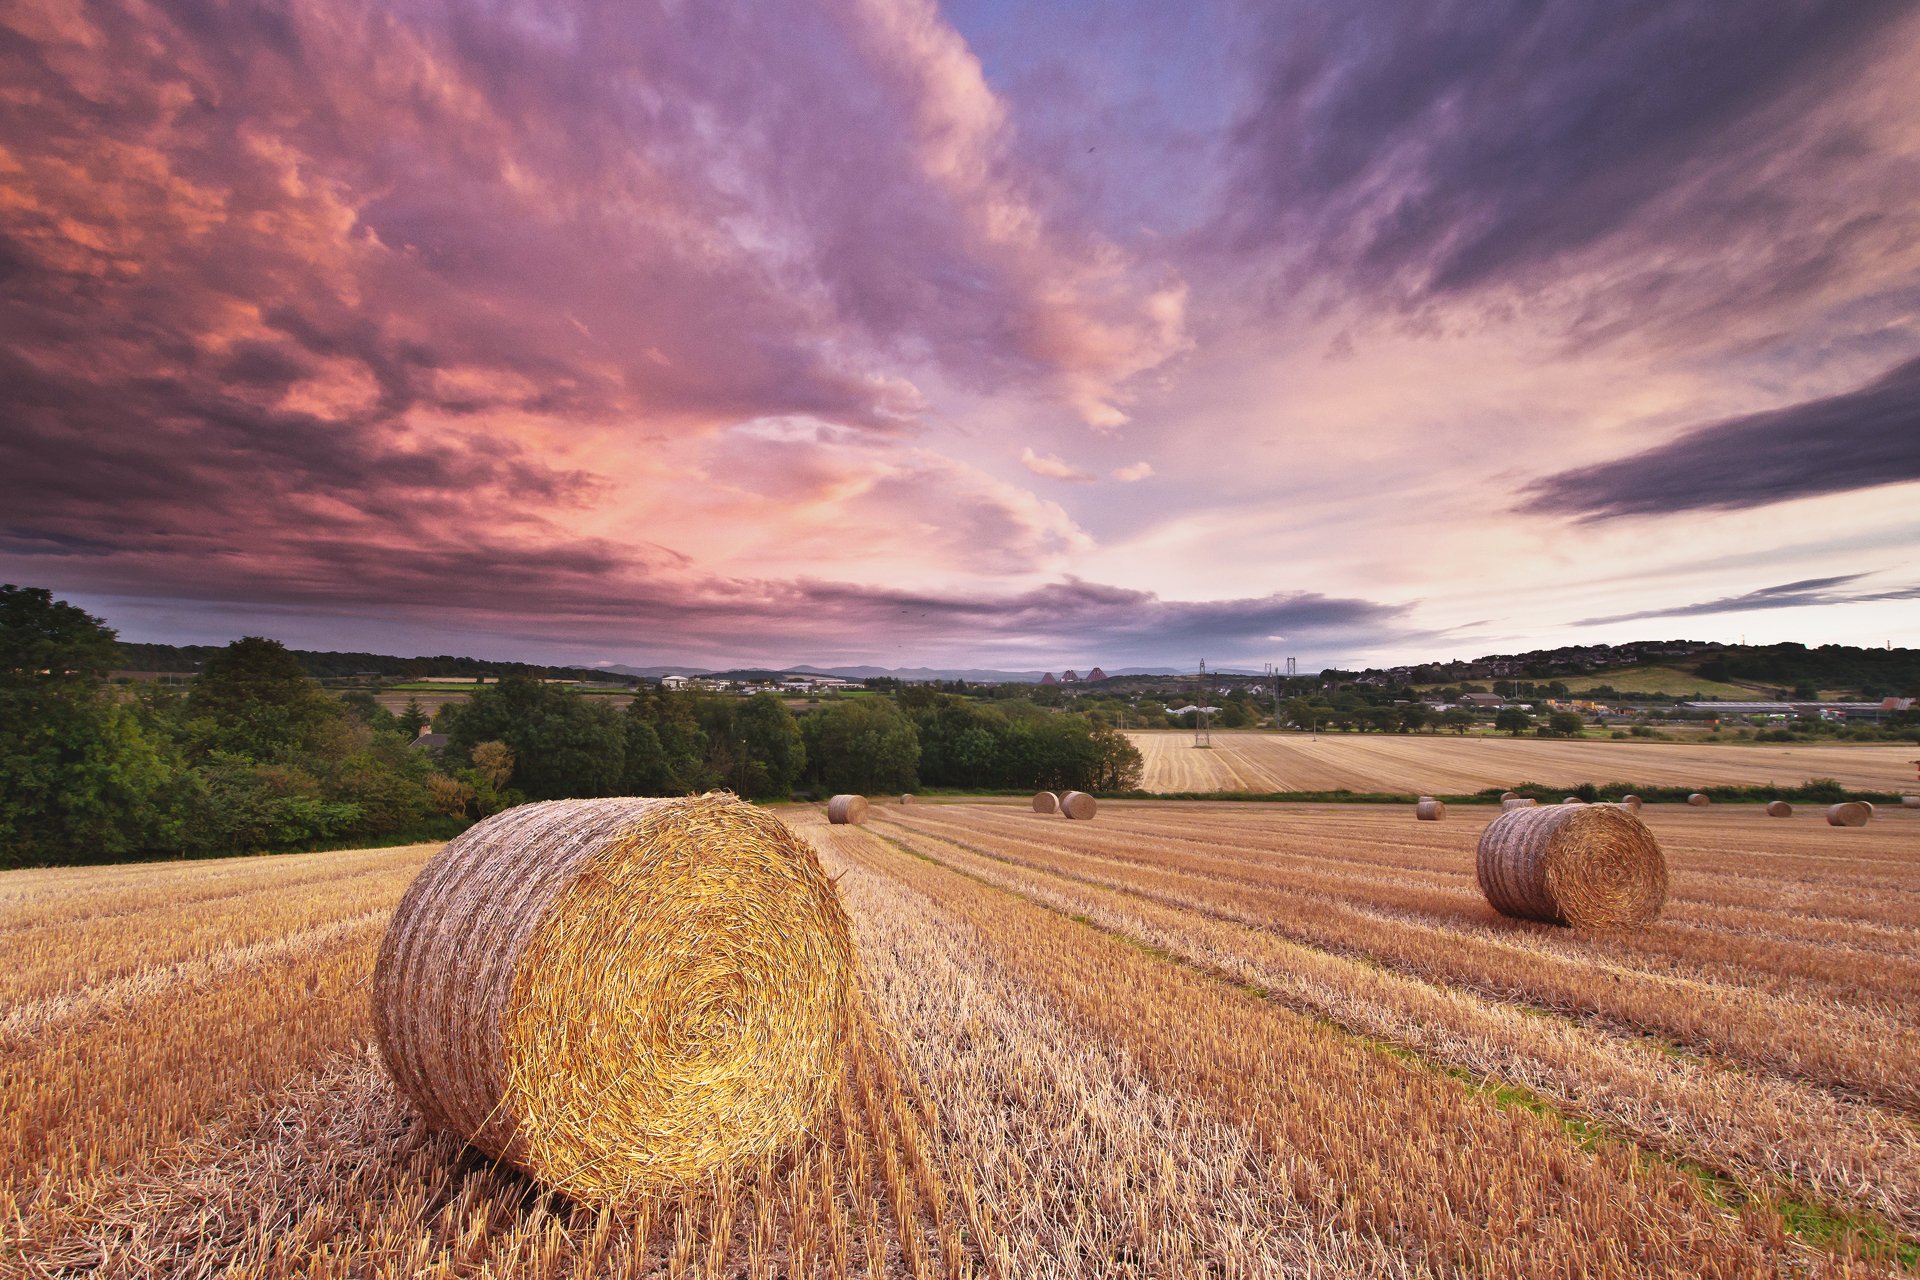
[
  {"x": 618, "y": 996},
  {"x": 1430, "y": 810},
  {"x": 1078, "y": 804},
  {"x": 1519, "y": 802},
  {"x": 1699, "y": 800},
  {"x": 1851, "y": 813},
  {"x": 847, "y": 810},
  {"x": 1590, "y": 866},
  {"x": 1046, "y": 802},
  {"x": 1779, "y": 809}
]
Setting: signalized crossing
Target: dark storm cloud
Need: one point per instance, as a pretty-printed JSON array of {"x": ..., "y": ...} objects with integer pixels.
[
  {"x": 1445, "y": 147},
  {"x": 1788, "y": 595},
  {"x": 1855, "y": 440}
]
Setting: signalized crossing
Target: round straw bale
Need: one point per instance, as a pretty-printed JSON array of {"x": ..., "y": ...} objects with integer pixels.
[
  {"x": 1519, "y": 802},
  {"x": 1430, "y": 810},
  {"x": 1779, "y": 809},
  {"x": 906, "y": 797},
  {"x": 1509, "y": 795},
  {"x": 1630, "y": 803},
  {"x": 1699, "y": 800},
  {"x": 1590, "y": 866},
  {"x": 619, "y": 996},
  {"x": 847, "y": 810},
  {"x": 1571, "y": 800},
  {"x": 1851, "y": 813},
  {"x": 1910, "y": 802},
  {"x": 1046, "y": 802},
  {"x": 1078, "y": 804}
]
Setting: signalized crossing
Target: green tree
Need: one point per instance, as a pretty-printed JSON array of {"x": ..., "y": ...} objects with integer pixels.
[
  {"x": 1414, "y": 717},
  {"x": 413, "y": 718},
  {"x": 1458, "y": 719},
  {"x": 772, "y": 751},
  {"x": 1512, "y": 720},
  {"x": 862, "y": 745},
  {"x": 1563, "y": 724},
  {"x": 562, "y": 744},
  {"x": 81, "y": 777},
  {"x": 255, "y": 700}
]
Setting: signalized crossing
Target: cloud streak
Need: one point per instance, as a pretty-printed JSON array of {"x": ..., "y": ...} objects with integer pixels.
[
  {"x": 1855, "y": 440},
  {"x": 1809, "y": 593}
]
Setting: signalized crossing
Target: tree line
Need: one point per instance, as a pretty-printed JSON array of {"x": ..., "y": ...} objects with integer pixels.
[{"x": 255, "y": 756}]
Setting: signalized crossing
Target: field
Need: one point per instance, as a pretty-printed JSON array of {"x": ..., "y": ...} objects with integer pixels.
[
  {"x": 1452, "y": 765},
  {"x": 1182, "y": 1039},
  {"x": 1671, "y": 681}
]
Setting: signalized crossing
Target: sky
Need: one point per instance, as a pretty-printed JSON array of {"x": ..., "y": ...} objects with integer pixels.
[{"x": 992, "y": 333}]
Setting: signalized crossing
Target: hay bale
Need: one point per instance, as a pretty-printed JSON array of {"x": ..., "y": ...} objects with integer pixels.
[
  {"x": 1910, "y": 802},
  {"x": 1850, "y": 813},
  {"x": 1519, "y": 802},
  {"x": 619, "y": 996},
  {"x": 1430, "y": 810},
  {"x": 1779, "y": 809},
  {"x": 1631, "y": 803},
  {"x": 906, "y": 797},
  {"x": 1589, "y": 866},
  {"x": 1509, "y": 795},
  {"x": 1046, "y": 802},
  {"x": 1078, "y": 804},
  {"x": 847, "y": 810},
  {"x": 1699, "y": 800},
  {"x": 1571, "y": 800}
]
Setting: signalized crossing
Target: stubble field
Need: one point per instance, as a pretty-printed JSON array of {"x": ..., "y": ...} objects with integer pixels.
[
  {"x": 1453, "y": 765},
  {"x": 1182, "y": 1039}
]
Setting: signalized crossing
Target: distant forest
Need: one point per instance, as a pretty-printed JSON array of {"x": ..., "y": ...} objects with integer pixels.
[{"x": 332, "y": 666}]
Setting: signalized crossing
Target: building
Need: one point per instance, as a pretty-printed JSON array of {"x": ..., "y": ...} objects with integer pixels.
[
  {"x": 1096, "y": 675},
  {"x": 1482, "y": 700},
  {"x": 673, "y": 682},
  {"x": 1048, "y": 679},
  {"x": 1070, "y": 677},
  {"x": 429, "y": 740}
]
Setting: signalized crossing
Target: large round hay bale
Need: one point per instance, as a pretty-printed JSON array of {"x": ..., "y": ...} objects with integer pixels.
[
  {"x": 1850, "y": 813},
  {"x": 847, "y": 810},
  {"x": 1910, "y": 802},
  {"x": 1046, "y": 802},
  {"x": 1779, "y": 809},
  {"x": 1519, "y": 802},
  {"x": 1631, "y": 803},
  {"x": 906, "y": 797},
  {"x": 619, "y": 996},
  {"x": 1589, "y": 866},
  {"x": 1509, "y": 795},
  {"x": 1430, "y": 810},
  {"x": 1078, "y": 804},
  {"x": 1699, "y": 800}
]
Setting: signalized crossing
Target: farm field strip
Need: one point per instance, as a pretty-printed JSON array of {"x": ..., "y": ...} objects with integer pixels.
[
  {"x": 1156, "y": 1088},
  {"x": 1354, "y": 1131},
  {"x": 1761, "y": 1130},
  {"x": 1389, "y": 762},
  {"x": 1824, "y": 1042},
  {"x": 1360, "y": 855}
]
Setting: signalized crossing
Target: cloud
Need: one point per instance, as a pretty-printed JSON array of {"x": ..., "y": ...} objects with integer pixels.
[
  {"x": 1045, "y": 464},
  {"x": 1855, "y": 440},
  {"x": 1806, "y": 593},
  {"x": 1135, "y": 472},
  {"x": 1602, "y": 165}
]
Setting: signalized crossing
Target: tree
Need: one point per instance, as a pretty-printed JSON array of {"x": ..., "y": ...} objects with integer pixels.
[
  {"x": 772, "y": 753},
  {"x": 1414, "y": 717},
  {"x": 81, "y": 777},
  {"x": 1563, "y": 724},
  {"x": 257, "y": 701},
  {"x": 862, "y": 745},
  {"x": 1512, "y": 720},
  {"x": 413, "y": 718},
  {"x": 562, "y": 745},
  {"x": 1458, "y": 719}
]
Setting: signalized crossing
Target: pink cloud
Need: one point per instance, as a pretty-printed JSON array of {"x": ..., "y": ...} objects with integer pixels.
[{"x": 1053, "y": 468}]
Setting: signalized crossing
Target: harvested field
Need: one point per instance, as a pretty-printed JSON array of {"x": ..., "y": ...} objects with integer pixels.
[
  {"x": 1443, "y": 763},
  {"x": 1186, "y": 1039}
]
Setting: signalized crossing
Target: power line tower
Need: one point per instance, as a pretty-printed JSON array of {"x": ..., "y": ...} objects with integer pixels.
[{"x": 1201, "y": 736}]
